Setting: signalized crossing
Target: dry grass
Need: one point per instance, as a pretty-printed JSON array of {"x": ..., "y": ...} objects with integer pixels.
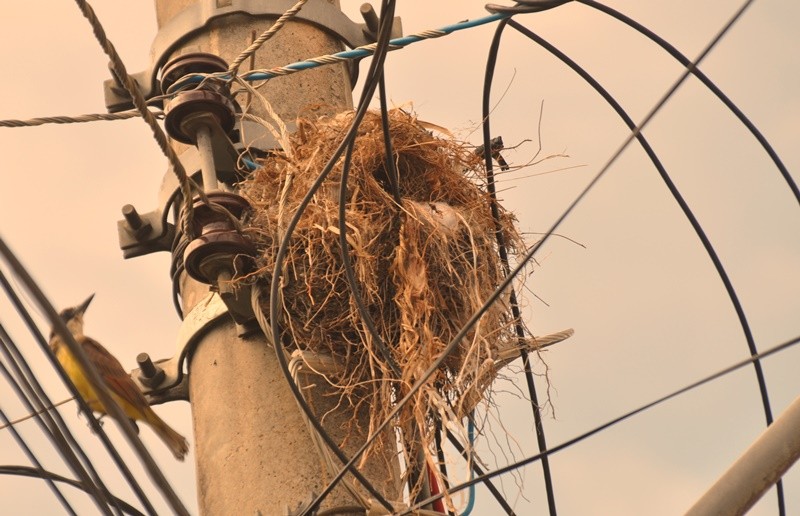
[{"x": 423, "y": 267}]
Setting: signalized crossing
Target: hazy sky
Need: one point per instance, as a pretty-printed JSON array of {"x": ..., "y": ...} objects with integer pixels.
[{"x": 649, "y": 313}]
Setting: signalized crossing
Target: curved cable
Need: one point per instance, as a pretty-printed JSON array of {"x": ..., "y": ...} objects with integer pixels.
[
  {"x": 390, "y": 165},
  {"x": 475, "y": 468},
  {"x": 97, "y": 383},
  {"x": 684, "y": 206},
  {"x": 82, "y": 404},
  {"x": 374, "y": 75},
  {"x": 57, "y": 420},
  {"x": 309, "y": 414},
  {"x": 525, "y": 6},
  {"x": 582, "y": 437},
  {"x": 528, "y": 255},
  {"x": 27, "y": 471},
  {"x": 273, "y": 326},
  {"x": 471, "y": 503},
  {"x": 503, "y": 251},
  {"x": 28, "y": 452},
  {"x": 683, "y": 60}
]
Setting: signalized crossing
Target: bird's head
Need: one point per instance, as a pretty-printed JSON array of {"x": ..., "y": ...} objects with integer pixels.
[{"x": 73, "y": 318}]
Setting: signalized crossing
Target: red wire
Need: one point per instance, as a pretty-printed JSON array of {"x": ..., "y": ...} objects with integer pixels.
[{"x": 438, "y": 505}]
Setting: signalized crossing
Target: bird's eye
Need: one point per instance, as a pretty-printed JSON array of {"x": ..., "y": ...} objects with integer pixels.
[{"x": 67, "y": 314}]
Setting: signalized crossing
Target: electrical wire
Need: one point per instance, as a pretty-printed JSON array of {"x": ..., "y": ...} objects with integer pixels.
[
  {"x": 274, "y": 329},
  {"x": 488, "y": 154},
  {"x": 94, "y": 379},
  {"x": 268, "y": 327},
  {"x": 79, "y": 119},
  {"x": 374, "y": 76},
  {"x": 34, "y": 414},
  {"x": 82, "y": 404},
  {"x": 525, "y": 6},
  {"x": 365, "y": 50},
  {"x": 27, "y": 471},
  {"x": 475, "y": 468},
  {"x": 684, "y": 206},
  {"x": 712, "y": 87},
  {"x": 525, "y": 259},
  {"x": 471, "y": 500},
  {"x": 296, "y": 364},
  {"x": 33, "y": 403},
  {"x": 582, "y": 437},
  {"x": 29, "y": 453}
]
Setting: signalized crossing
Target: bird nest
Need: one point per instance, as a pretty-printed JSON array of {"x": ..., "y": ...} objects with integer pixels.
[{"x": 422, "y": 266}]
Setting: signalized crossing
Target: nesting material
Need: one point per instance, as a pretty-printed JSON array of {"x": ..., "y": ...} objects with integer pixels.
[{"x": 423, "y": 267}]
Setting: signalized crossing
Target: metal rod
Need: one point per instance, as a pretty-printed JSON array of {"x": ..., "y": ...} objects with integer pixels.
[
  {"x": 206, "y": 151},
  {"x": 757, "y": 470}
]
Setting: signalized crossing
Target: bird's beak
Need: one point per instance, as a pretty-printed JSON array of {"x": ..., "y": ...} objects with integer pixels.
[{"x": 83, "y": 306}]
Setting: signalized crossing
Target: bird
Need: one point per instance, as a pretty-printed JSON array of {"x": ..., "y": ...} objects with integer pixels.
[{"x": 120, "y": 386}]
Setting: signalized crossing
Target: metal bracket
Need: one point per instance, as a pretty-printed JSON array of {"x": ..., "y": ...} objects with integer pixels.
[
  {"x": 209, "y": 312},
  {"x": 134, "y": 237},
  {"x": 200, "y": 14}
]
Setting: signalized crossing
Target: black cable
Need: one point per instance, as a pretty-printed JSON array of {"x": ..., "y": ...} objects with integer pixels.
[
  {"x": 477, "y": 469},
  {"x": 525, "y": 6},
  {"x": 503, "y": 251},
  {"x": 26, "y": 393},
  {"x": 525, "y": 259},
  {"x": 27, "y": 471},
  {"x": 274, "y": 330},
  {"x": 374, "y": 76},
  {"x": 84, "y": 407},
  {"x": 267, "y": 329},
  {"x": 29, "y": 453},
  {"x": 698, "y": 229},
  {"x": 575, "y": 440},
  {"x": 389, "y": 165},
  {"x": 115, "y": 411},
  {"x": 683, "y": 60}
]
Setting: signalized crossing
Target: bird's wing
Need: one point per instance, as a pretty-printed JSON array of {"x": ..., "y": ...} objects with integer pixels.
[{"x": 112, "y": 372}]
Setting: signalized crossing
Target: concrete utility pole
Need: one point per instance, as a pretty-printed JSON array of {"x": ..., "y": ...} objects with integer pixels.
[{"x": 254, "y": 454}]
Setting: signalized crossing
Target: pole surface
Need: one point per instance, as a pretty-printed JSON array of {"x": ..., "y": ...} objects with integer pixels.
[
  {"x": 757, "y": 470},
  {"x": 254, "y": 453}
]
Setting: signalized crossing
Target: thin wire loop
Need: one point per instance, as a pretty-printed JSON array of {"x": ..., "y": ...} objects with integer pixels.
[
  {"x": 488, "y": 155},
  {"x": 27, "y": 471},
  {"x": 696, "y": 226}
]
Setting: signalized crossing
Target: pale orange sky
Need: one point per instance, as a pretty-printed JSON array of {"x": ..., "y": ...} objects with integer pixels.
[{"x": 650, "y": 315}]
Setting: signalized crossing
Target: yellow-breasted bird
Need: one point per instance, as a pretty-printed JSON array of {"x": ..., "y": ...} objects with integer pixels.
[{"x": 120, "y": 386}]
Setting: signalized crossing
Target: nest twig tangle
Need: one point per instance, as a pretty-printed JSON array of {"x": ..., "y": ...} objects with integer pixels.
[{"x": 423, "y": 267}]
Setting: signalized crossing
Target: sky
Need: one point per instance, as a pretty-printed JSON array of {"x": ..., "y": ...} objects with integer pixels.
[{"x": 628, "y": 273}]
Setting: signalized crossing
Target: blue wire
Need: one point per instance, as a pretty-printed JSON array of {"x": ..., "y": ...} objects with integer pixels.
[
  {"x": 249, "y": 164},
  {"x": 471, "y": 437},
  {"x": 355, "y": 53}
]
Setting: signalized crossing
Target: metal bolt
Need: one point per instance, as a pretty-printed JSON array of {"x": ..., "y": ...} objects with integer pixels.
[
  {"x": 371, "y": 19},
  {"x": 137, "y": 226},
  {"x": 150, "y": 375},
  {"x": 132, "y": 216}
]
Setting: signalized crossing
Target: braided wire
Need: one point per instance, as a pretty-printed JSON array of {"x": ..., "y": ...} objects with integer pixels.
[
  {"x": 265, "y": 36},
  {"x": 79, "y": 119}
]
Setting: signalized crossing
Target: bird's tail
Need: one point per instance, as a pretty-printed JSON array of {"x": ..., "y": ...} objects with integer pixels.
[{"x": 176, "y": 442}]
